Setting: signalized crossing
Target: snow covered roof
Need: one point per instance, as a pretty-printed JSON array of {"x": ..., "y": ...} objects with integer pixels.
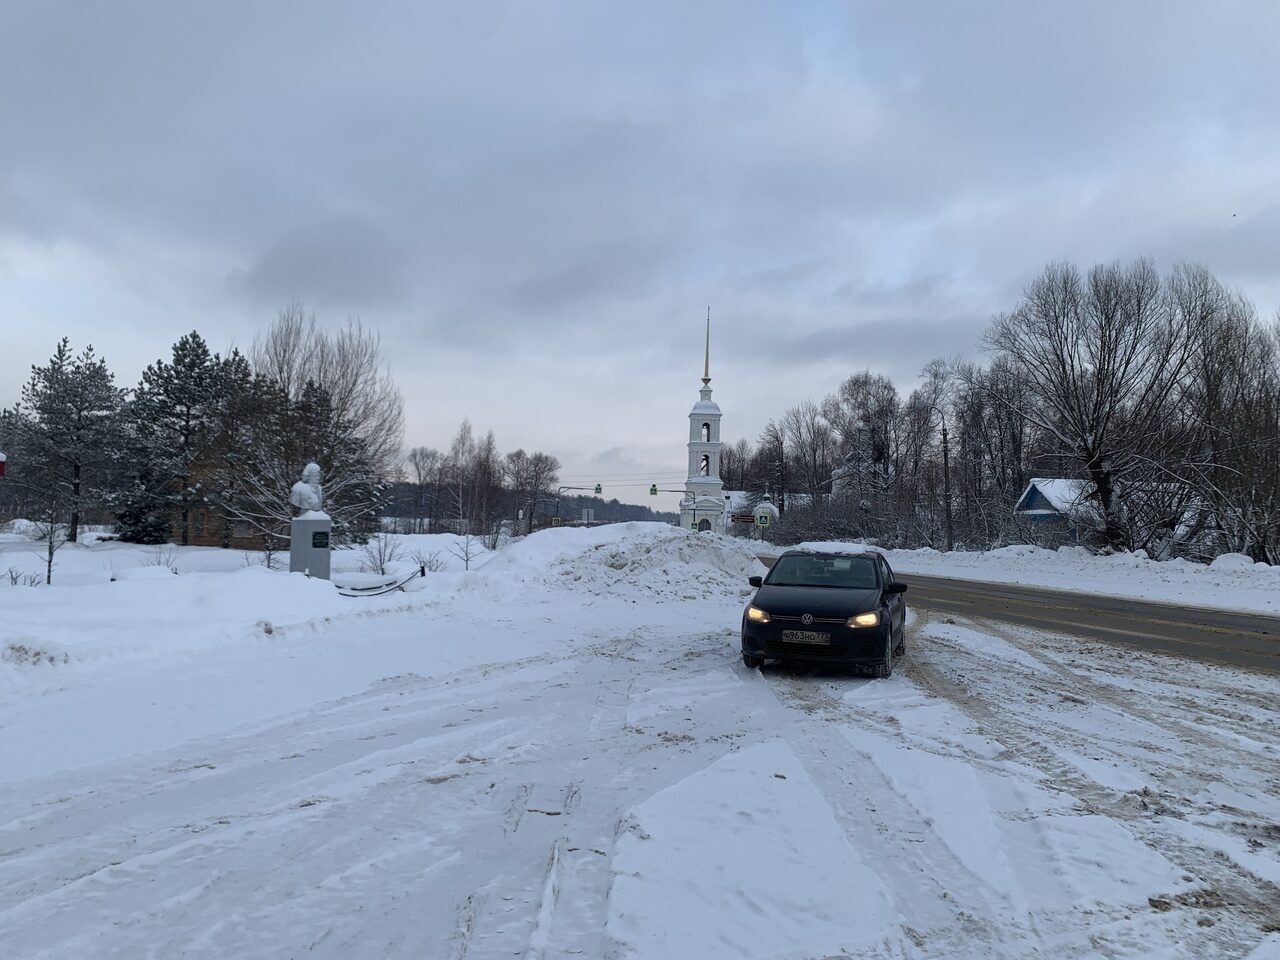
[
  {"x": 1067, "y": 497},
  {"x": 706, "y": 407}
]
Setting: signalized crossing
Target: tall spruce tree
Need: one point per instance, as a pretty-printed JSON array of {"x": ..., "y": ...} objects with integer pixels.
[
  {"x": 175, "y": 416},
  {"x": 66, "y": 425}
]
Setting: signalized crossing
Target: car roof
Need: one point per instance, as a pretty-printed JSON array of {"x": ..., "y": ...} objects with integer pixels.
[{"x": 869, "y": 554}]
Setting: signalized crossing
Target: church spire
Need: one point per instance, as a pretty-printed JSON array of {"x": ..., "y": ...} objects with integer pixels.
[{"x": 706, "y": 360}]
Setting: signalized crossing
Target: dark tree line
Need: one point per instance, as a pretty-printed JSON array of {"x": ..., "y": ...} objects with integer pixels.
[
  {"x": 1160, "y": 393},
  {"x": 206, "y": 447}
]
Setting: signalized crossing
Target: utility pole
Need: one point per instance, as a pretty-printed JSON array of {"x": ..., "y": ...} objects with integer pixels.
[{"x": 946, "y": 483}]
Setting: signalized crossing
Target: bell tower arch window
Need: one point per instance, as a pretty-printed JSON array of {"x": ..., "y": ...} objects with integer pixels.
[
  {"x": 706, "y": 433},
  {"x": 704, "y": 466}
]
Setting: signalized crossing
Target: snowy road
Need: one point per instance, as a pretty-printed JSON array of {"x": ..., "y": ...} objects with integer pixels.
[
  {"x": 640, "y": 794},
  {"x": 1238, "y": 639}
]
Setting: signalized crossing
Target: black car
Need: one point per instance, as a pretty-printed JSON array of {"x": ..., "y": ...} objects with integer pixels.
[{"x": 839, "y": 608}]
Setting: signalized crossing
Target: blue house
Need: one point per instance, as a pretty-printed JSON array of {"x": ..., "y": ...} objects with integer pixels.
[{"x": 1058, "y": 503}]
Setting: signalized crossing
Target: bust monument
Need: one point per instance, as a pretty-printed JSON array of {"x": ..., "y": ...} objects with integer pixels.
[
  {"x": 307, "y": 494},
  {"x": 310, "y": 530}
]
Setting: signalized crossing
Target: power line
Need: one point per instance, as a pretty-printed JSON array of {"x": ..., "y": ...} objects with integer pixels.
[{"x": 646, "y": 478}]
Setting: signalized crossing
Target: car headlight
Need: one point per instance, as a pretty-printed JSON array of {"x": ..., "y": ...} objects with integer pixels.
[
  {"x": 758, "y": 615},
  {"x": 871, "y": 619}
]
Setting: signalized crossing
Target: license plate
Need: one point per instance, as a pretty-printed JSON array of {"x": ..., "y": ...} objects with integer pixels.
[{"x": 805, "y": 636}]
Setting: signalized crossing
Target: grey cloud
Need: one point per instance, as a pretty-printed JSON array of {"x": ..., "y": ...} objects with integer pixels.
[
  {"x": 497, "y": 183},
  {"x": 342, "y": 262}
]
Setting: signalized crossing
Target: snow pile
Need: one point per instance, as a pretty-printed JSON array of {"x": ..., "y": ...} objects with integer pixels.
[
  {"x": 1234, "y": 561},
  {"x": 150, "y": 612},
  {"x": 19, "y": 530},
  {"x": 1232, "y": 582},
  {"x": 650, "y": 562}
]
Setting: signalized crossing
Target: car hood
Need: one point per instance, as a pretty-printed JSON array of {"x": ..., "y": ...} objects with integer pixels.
[{"x": 831, "y": 602}]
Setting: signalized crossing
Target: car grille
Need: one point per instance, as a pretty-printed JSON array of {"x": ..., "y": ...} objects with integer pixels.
[{"x": 788, "y": 619}]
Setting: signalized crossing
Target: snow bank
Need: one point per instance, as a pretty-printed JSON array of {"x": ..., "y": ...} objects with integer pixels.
[
  {"x": 150, "y": 612},
  {"x": 1233, "y": 581},
  {"x": 124, "y": 602},
  {"x": 93, "y": 560},
  {"x": 650, "y": 562},
  {"x": 742, "y": 859}
]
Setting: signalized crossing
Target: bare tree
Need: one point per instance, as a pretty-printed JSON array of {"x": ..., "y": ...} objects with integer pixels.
[
  {"x": 348, "y": 366},
  {"x": 530, "y": 476},
  {"x": 1234, "y": 402},
  {"x": 462, "y": 452},
  {"x": 52, "y": 533},
  {"x": 424, "y": 466},
  {"x": 466, "y": 548},
  {"x": 811, "y": 448},
  {"x": 331, "y": 400},
  {"x": 380, "y": 552},
  {"x": 1105, "y": 355},
  {"x": 735, "y": 464},
  {"x": 770, "y": 462}
]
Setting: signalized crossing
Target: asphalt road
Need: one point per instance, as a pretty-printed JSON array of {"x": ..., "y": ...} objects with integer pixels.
[{"x": 1247, "y": 640}]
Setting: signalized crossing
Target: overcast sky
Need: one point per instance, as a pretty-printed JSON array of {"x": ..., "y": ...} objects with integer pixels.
[{"x": 535, "y": 202}]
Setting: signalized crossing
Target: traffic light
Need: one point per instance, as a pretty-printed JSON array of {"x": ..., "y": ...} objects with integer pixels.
[
  {"x": 597, "y": 489},
  {"x": 653, "y": 490}
]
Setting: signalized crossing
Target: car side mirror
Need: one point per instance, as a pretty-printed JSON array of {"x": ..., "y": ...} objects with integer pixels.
[
  {"x": 897, "y": 586},
  {"x": 755, "y": 581}
]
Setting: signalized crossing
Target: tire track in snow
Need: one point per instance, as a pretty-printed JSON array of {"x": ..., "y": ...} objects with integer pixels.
[
  {"x": 1254, "y": 901},
  {"x": 946, "y": 908}
]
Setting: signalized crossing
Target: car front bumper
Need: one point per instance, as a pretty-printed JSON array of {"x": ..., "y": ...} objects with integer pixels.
[{"x": 864, "y": 646}]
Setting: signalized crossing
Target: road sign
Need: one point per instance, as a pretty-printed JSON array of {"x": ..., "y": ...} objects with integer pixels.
[
  {"x": 556, "y": 521},
  {"x": 588, "y": 515},
  {"x": 763, "y": 520},
  {"x": 744, "y": 518}
]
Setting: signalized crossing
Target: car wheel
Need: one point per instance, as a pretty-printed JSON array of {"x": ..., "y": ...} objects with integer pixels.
[
  {"x": 884, "y": 669},
  {"x": 752, "y": 662}
]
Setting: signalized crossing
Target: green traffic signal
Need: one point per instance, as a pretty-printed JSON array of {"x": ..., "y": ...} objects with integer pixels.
[{"x": 597, "y": 489}]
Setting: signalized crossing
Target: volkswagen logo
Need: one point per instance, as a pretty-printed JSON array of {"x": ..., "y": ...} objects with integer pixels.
[{"x": 807, "y": 619}]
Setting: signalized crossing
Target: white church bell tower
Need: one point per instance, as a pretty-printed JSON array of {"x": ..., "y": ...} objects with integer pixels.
[{"x": 703, "y": 505}]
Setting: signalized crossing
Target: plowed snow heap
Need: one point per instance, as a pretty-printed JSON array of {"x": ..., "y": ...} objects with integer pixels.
[{"x": 633, "y": 561}]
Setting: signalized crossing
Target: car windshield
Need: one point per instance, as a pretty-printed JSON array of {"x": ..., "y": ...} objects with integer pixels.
[{"x": 848, "y": 573}]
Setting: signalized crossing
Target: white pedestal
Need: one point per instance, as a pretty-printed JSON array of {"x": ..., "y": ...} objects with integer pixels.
[{"x": 309, "y": 544}]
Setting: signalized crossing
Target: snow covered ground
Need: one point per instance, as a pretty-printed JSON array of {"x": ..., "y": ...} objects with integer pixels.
[
  {"x": 1231, "y": 582},
  {"x": 560, "y": 754}
]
